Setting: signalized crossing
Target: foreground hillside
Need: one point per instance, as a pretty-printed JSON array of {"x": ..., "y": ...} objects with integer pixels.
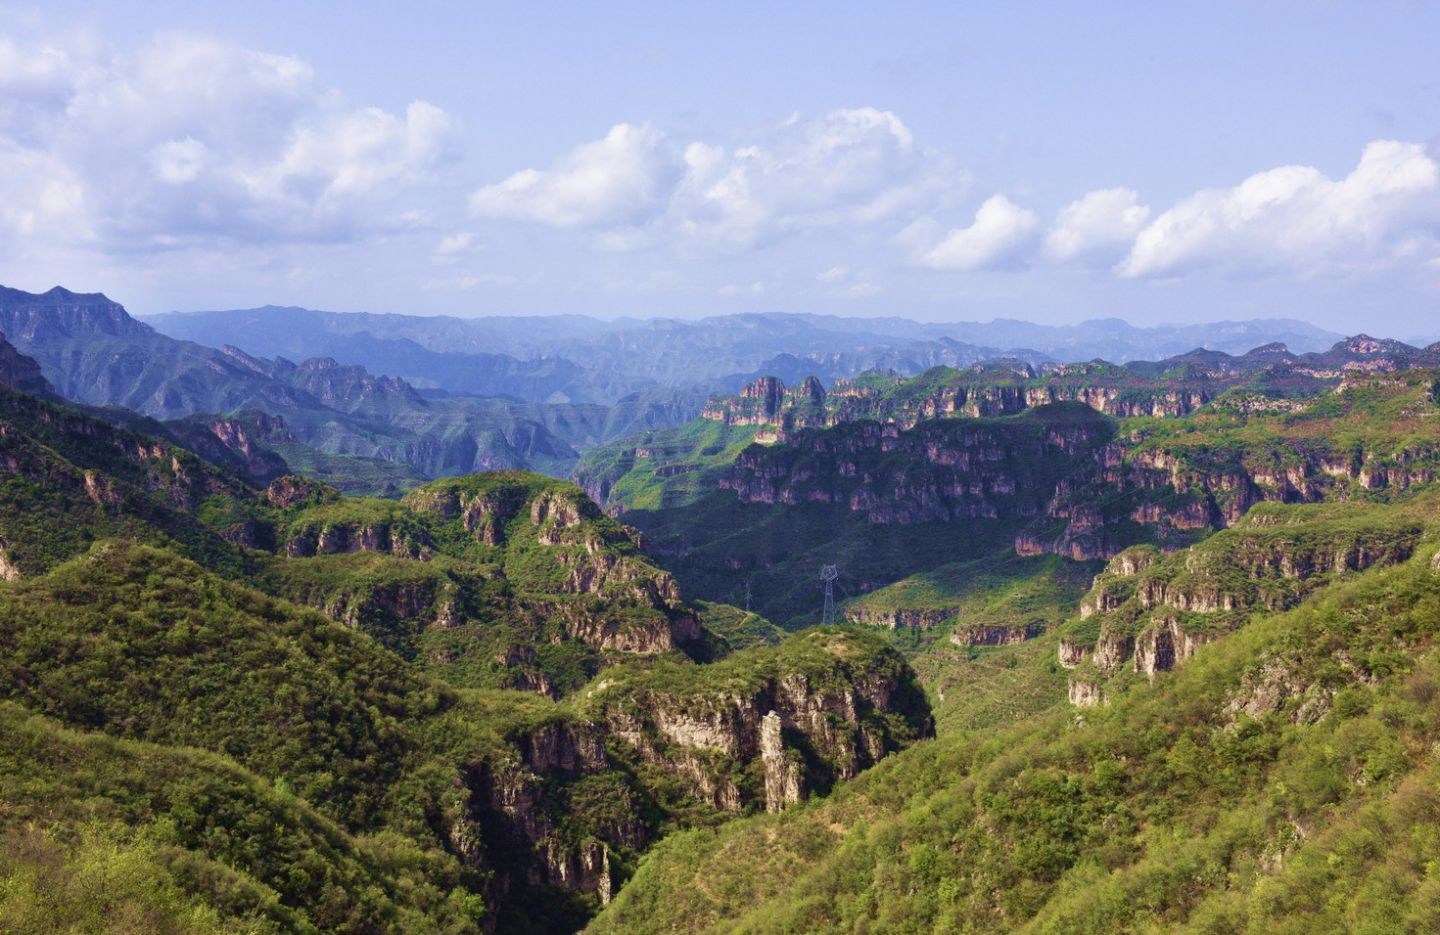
[
  {"x": 1281, "y": 779},
  {"x": 277, "y": 708}
]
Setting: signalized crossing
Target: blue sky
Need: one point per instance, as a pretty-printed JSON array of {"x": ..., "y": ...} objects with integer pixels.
[{"x": 1055, "y": 162}]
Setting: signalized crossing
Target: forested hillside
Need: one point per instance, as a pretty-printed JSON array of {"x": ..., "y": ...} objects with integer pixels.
[{"x": 273, "y": 707}]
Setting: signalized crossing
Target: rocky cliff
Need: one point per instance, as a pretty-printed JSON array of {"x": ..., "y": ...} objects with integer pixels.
[
  {"x": 21, "y": 373},
  {"x": 1155, "y": 610},
  {"x": 1085, "y": 486},
  {"x": 767, "y": 727},
  {"x": 936, "y": 471},
  {"x": 1170, "y": 388}
]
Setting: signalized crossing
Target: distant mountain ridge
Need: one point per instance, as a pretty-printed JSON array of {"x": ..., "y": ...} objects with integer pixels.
[
  {"x": 577, "y": 358},
  {"x": 94, "y": 352}
]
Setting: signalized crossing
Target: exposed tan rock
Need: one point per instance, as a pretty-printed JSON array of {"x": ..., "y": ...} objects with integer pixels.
[
  {"x": 784, "y": 776},
  {"x": 9, "y": 571},
  {"x": 992, "y": 635},
  {"x": 1084, "y": 693},
  {"x": 1071, "y": 654},
  {"x": 1112, "y": 649},
  {"x": 898, "y": 618}
]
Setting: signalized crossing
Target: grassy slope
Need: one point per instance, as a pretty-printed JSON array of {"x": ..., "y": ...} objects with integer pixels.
[
  {"x": 665, "y": 467},
  {"x": 1163, "y": 810},
  {"x": 168, "y": 661},
  {"x": 973, "y": 687}
]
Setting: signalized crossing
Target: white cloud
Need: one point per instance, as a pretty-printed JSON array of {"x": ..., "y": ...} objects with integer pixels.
[
  {"x": 192, "y": 141},
  {"x": 999, "y": 237},
  {"x": 844, "y": 283},
  {"x": 40, "y": 197},
  {"x": 458, "y": 242},
  {"x": 178, "y": 161},
  {"x": 638, "y": 185},
  {"x": 1294, "y": 219},
  {"x": 354, "y": 154},
  {"x": 620, "y": 180},
  {"x": 850, "y": 167},
  {"x": 755, "y": 288},
  {"x": 1100, "y": 225},
  {"x": 857, "y": 290}
]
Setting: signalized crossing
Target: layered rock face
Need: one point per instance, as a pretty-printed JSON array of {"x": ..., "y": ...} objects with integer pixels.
[
  {"x": 770, "y": 403},
  {"x": 899, "y": 618},
  {"x": 983, "y": 635},
  {"x": 1083, "y": 488},
  {"x": 1154, "y": 611},
  {"x": 784, "y": 775},
  {"x": 1170, "y": 388},
  {"x": 478, "y": 576},
  {"x": 805, "y": 726},
  {"x": 794, "y": 731},
  {"x": 937, "y": 471}
]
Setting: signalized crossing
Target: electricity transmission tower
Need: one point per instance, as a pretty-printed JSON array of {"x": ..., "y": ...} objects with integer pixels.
[
  {"x": 828, "y": 574},
  {"x": 747, "y": 597}
]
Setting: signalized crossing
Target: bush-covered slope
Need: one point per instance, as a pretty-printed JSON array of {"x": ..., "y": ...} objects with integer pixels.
[
  {"x": 1218, "y": 798},
  {"x": 99, "y": 833},
  {"x": 389, "y": 722}
]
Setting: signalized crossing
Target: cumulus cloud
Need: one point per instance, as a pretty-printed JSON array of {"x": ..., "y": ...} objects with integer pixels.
[
  {"x": 1099, "y": 225},
  {"x": 191, "y": 140},
  {"x": 622, "y": 179},
  {"x": 1294, "y": 219},
  {"x": 1000, "y": 236},
  {"x": 851, "y": 166}
]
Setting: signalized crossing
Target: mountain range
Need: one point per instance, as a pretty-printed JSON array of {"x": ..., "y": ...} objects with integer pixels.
[
  {"x": 580, "y": 359},
  {"x": 96, "y": 353},
  {"x": 1142, "y": 644}
]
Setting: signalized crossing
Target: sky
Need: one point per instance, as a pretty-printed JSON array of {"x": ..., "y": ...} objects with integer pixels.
[{"x": 1159, "y": 162}]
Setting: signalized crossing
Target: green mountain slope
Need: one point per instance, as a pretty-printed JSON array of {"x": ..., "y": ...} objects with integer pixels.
[
  {"x": 495, "y": 706},
  {"x": 1214, "y": 799}
]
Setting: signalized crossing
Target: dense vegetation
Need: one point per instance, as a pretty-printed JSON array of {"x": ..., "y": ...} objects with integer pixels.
[
  {"x": 176, "y": 728},
  {"x": 1208, "y": 801},
  {"x": 240, "y": 705}
]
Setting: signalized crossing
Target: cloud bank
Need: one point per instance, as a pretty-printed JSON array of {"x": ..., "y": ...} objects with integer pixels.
[
  {"x": 1294, "y": 219},
  {"x": 189, "y": 143},
  {"x": 191, "y": 140},
  {"x": 849, "y": 167}
]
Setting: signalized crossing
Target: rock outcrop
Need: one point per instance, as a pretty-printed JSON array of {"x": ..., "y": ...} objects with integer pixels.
[
  {"x": 784, "y": 775},
  {"x": 985, "y": 635},
  {"x": 1156, "y": 611},
  {"x": 897, "y": 618},
  {"x": 832, "y": 716},
  {"x": 937, "y": 471},
  {"x": 1084, "y": 693}
]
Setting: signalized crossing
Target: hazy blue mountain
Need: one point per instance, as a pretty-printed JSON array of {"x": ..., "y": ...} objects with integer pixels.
[
  {"x": 580, "y": 359},
  {"x": 94, "y": 352}
]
